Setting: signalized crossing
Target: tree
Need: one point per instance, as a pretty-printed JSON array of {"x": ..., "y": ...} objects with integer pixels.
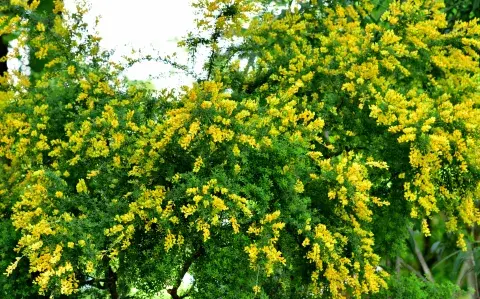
[{"x": 300, "y": 173}]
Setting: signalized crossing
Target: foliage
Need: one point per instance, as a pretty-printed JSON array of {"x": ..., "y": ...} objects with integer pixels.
[
  {"x": 412, "y": 287},
  {"x": 463, "y": 10},
  {"x": 298, "y": 172}
]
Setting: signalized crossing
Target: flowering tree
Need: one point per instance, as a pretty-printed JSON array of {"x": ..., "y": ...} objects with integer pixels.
[{"x": 296, "y": 175}]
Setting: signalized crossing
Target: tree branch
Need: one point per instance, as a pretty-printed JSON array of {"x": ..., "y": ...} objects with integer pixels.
[
  {"x": 420, "y": 258},
  {"x": 186, "y": 265}
]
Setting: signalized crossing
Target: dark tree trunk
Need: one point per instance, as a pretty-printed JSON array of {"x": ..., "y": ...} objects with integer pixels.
[
  {"x": 188, "y": 263},
  {"x": 112, "y": 283},
  {"x": 3, "y": 52}
]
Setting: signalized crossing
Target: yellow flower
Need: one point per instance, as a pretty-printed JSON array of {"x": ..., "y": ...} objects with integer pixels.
[
  {"x": 332, "y": 194},
  {"x": 12, "y": 266},
  {"x": 425, "y": 229},
  {"x": 271, "y": 217},
  {"x": 218, "y": 203},
  {"x": 180, "y": 240},
  {"x": 188, "y": 210},
  {"x": 71, "y": 70},
  {"x": 92, "y": 174},
  {"x": 198, "y": 164},
  {"x": 59, "y": 6},
  {"x": 176, "y": 178},
  {"x": 235, "y": 226},
  {"x": 89, "y": 267},
  {"x": 252, "y": 251},
  {"x": 219, "y": 135},
  {"x": 299, "y": 187},
  {"x": 169, "y": 241},
  {"x": 69, "y": 285},
  {"x": 413, "y": 212},
  {"x": 40, "y": 27},
  {"x": 306, "y": 242},
  {"x": 451, "y": 225},
  {"x": 117, "y": 161},
  {"x": 81, "y": 186},
  {"x": 461, "y": 242},
  {"x": 236, "y": 151},
  {"x": 206, "y": 104}
]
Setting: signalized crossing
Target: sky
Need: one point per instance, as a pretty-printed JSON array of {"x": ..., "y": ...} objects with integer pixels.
[{"x": 147, "y": 25}]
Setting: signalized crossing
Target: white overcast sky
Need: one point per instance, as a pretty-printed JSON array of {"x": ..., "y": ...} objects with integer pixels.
[{"x": 144, "y": 24}]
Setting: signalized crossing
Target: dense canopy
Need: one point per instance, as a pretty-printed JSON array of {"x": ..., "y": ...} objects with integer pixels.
[{"x": 319, "y": 136}]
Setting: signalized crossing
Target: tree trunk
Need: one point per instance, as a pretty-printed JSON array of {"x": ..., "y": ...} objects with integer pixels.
[
  {"x": 112, "y": 283},
  {"x": 3, "y": 53},
  {"x": 188, "y": 263}
]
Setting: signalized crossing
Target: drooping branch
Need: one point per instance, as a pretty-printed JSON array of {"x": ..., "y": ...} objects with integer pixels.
[
  {"x": 229, "y": 12},
  {"x": 213, "y": 52}
]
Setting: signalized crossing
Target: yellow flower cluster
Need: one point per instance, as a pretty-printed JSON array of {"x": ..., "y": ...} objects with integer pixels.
[
  {"x": 374, "y": 60},
  {"x": 311, "y": 114},
  {"x": 47, "y": 259},
  {"x": 272, "y": 255},
  {"x": 326, "y": 254}
]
